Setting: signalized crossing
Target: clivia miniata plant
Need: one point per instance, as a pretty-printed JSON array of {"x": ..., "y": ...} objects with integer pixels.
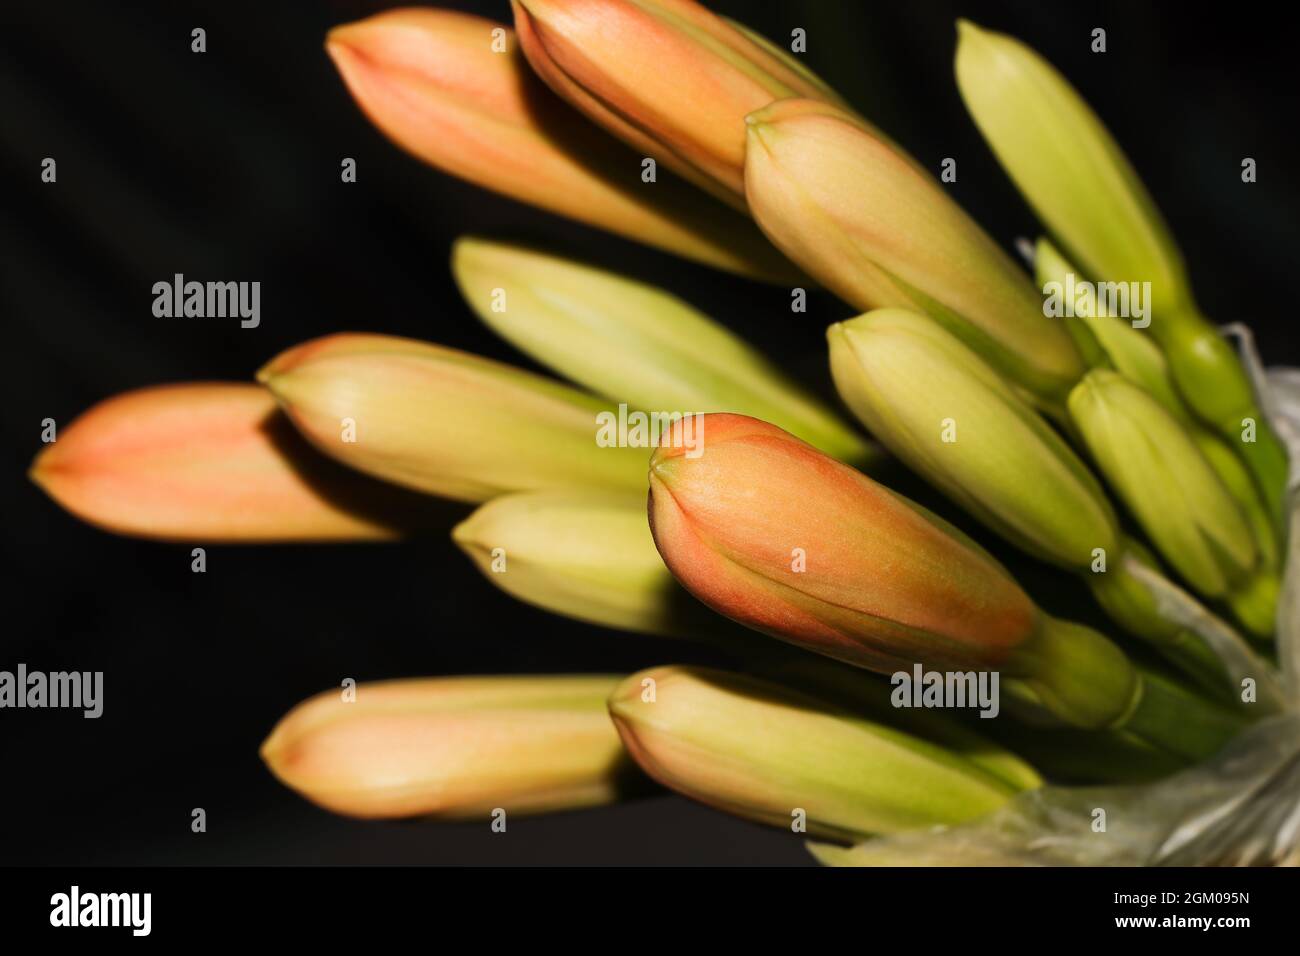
[{"x": 1123, "y": 439}]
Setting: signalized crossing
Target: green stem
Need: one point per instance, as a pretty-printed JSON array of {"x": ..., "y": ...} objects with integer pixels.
[
  {"x": 1266, "y": 458},
  {"x": 1175, "y": 721},
  {"x": 1190, "y": 654},
  {"x": 1213, "y": 382}
]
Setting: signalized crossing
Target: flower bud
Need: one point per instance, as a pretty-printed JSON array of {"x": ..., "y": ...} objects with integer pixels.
[
  {"x": 972, "y": 436},
  {"x": 1168, "y": 485},
  {"x": 769, "y": 754},
  {"x": 1116, "y": 342},
  {"x": 212, "y": 462},
  {"x": 1067, "y": 166},
  {"x": 865, "y": 576},
  {"x": 875, "y": 699},
  {"x": 669, "y": 77},
  {"x": 1076, "y": 177},
  {"x": 445, "y": 422},
  {"x": 586, "y": 555},
  {"x": 937, "y": 406},
  {"x": 635, "y": 343},
  {"x": 453, "y": 747},
  {"x": 878, "y": 231},
  {"x": 454, "y": 90},
  {"x": 1135, "y": 356}
]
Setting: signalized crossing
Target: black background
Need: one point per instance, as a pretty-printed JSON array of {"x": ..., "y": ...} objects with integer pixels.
[{"x": 226, "y": 165}]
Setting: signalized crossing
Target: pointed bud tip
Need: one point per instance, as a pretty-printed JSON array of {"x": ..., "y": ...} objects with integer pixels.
[
  {"x": 270, "y": 753},
  {"x": 468, "y": 536},
  {"x": 970, "y": 34},
  {"x": 350, "y": 43},
  {"x": 472, "y": 253},
  {"x": 761, "y": 121},
  {"x": 628, "y": 692},
  {"x": 340, "y": 38},
  {"x": 38, "y": 473},
  {"x": 296, "y": 356},
  {"x": 663, "y": 466}
]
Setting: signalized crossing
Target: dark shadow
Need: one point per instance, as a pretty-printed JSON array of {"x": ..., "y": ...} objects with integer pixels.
[{"x": 405, "y": 511}]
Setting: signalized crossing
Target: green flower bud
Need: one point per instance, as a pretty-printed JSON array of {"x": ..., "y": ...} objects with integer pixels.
[
  {"x": 942, "y": 410},
  {"x": 973, "y": 437},
  {"x": 445, "y": 422},
  {"x": 1166, "y": 482},
  {"x": 636, "y": 344},
  {"x": 1135, "y": 356},
  {"x": 1067, "y": 166},
  {"x": 769, "y": 754},
  {"x": 584, "y": 554},
  {"x": 1075, "y": 176}
]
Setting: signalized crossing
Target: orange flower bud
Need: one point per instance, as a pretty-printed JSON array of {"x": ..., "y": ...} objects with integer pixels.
[
  {"x": 211, "y": 462},
  {"x": 453, "y": 747},
  {"x": 669, "y": 77},
  {"x": 862, "y": 576},
  {"x": 878, "y": 231},
  {"x": 454, "y": 91},
  {"x": 774, "y": 534}
]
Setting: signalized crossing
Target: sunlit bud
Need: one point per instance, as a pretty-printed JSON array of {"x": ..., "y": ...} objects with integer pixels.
[
  {"x": 208, "y": 463},
  {"x": 1168, "y": 485},
  {"x": 951, "y": 418},
  {"x": 586, "y": 555},
  {"x": 637, "y": 344},
  {"x": 453, "y": 747},
  {"x": 1075, "y": 176},
  {"x": 766, "y": 753},
  {"x": 445, "y": 422},
  {"x": 668, "y": 77},
  {"x": 454, "y": 90},
  {"x": 864, "y": 576},
  {"x": 865, "y": 221}
]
